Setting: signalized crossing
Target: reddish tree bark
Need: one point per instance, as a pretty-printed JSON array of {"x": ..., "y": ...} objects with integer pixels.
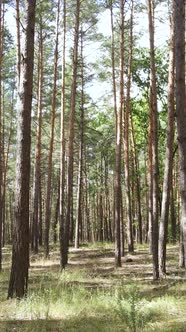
[{"x": 20, "y": 253}]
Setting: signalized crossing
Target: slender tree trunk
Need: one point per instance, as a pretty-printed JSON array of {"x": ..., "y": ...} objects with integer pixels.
[
  {"x": 110, "y": 224},
  {"x": 71, "y": 138},
  {"x": 167, "y": 182},
  {"x": 173, "y": 217},
  {"x": 87, "y": 202},
  {"x": 137, "y": 179},
  {"x": 115, "y": 110},
  {"x": 133, "y": 196},
  {"x": 116, "y": 124},
  {"x": 101, "y": 202},
  {"x": 18, "y": 39},
  {"x": 20, "y": 253},
  {"x": 62, "y": 148},
  {"x": 122, "y": 229},
  {"x": 113, "y": 62},
  {"x": 49, "y": 175},
  {"x": 81, "y": 144},
  {"x": 118, "y": 191},
  {"x": 37, "y": 175},
  {"x": 181, "y": 111},
  {"x": 146, "y": 228},
  {"x": 71, "y": 230},
  {"x": 153, "y": 105},
  {"x": 1, "y": 145},
  {"x": 150, "y": 181},
  {"x": 11, "y": 200},
  {"x": 56, "y": 216},
  {"x": 40, "y": 216},
  {"x": 106, "y": 189},
  {"x": 2, "y": 127},
  {"x": 5, "y": 167},
  {"x": 126, "y": 139}
]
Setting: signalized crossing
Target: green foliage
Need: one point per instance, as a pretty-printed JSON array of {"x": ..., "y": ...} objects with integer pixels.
[
  {"x": 130, "y": 308},
  {"x": 141, "y": 69}
]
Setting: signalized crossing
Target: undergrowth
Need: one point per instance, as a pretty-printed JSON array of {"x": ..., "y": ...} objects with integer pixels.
[{"x": 66, "y": 301}]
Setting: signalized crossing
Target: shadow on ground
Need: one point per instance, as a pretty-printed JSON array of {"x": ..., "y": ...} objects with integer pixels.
[{"x": 83, "y": 324}]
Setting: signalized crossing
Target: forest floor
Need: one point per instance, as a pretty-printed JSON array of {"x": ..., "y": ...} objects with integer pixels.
[{"x": 92, "y": 296}]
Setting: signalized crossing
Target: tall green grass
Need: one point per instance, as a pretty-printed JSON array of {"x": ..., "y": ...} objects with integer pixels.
[
  {"x": 75, "y": 301},
  {"x": 118, "y": 309}
]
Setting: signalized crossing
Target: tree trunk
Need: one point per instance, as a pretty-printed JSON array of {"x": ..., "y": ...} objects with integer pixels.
[
  {"x": 146, "y": 228},
  {"x": 101, "y": 202},
  {"x": 1, "y": 145},
  {"x": 173, "y": 217},
  {"x": 153, "y": 106},
  {"x": 106, "y": 189},
  {"x": 37, "y": 175},
  {"x": 167, "y": 182},
  {"x": 181, "y": 111},
  {"x": 49, "y": 175},
  {"x": 118, "y": 190},
  {"x": 81, "y": 143},
  {"x": 5, "y": 167},
  {"x": 137, "y": 179},
  {"x": 62, "y": 147},
  {"x": 122, "y": 235},
  {"x": 18, "y": 39},
  {"x": 20, "y": 253},
  {"x": 87, "y": 203},
  {"x": 150, "y": 181},
  {"x": 71, "y": 138},
  {"x": 56, "y": 215},
  {"x": 113, "y": 63},
  {"x": 40, "y": 216},
  {"x": 126, "y": 139}
]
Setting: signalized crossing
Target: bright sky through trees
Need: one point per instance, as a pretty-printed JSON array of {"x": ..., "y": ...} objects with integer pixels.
[{"x": 97, "y": 89}]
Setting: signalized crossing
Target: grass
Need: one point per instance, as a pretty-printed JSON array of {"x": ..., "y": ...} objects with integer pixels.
[{"x": 92, "y": 296}]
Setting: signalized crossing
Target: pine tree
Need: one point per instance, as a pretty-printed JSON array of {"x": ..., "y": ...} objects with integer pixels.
[
  {"x": 18, "y": 283},
  {"x": 181, "y": 114}
]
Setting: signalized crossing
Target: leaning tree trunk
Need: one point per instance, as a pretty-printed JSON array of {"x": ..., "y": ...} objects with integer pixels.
[
  {"x": 20, "y": 253},
  {"x": 153, "y": 106},
  {"x": 181, "y": 111},
  {"x": 167, "y": 182},
  {"x": 71, "y": 138}
]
